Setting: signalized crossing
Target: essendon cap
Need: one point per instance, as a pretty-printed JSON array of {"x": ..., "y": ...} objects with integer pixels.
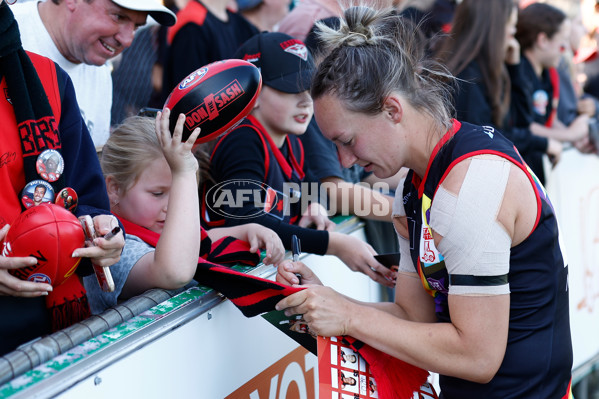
[{"x": 284, "y": 62}]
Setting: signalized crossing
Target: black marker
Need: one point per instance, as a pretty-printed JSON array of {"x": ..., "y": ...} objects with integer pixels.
[
  {"x": 112, "y": 233},
  {"x": 296, "y": 251},
  {"x": 295, "y": 248}
]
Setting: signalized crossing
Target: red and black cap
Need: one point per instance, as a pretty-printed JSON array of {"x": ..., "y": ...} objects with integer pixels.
[{"x": 284, "y": 62}]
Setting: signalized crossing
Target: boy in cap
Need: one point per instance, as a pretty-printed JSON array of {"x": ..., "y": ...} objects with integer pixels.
[
  {"x": 82, "y": 36},
  {"x": 264, "y": 155}
]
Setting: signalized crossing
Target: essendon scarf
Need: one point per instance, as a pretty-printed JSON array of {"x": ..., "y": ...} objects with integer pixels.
[
  {"x": 38, "y": 130},
  {"x": 228, "y": 250},
  {"x": 252, "y": 295}
]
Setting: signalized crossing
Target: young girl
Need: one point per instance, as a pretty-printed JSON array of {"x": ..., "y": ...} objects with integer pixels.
[
  {"x": 264, "y": 152},
  {"x": 151, "y": 180}
]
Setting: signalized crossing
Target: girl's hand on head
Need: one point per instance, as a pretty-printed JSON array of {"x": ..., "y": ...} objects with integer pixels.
[
  {"x": 177, "y": 153},
  {"x": 260, "y": 237},
  {"x": 316, "y": 215}
]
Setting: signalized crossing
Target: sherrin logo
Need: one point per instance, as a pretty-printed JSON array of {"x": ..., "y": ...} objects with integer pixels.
[
  {"x": 193, "y": 78},
  {"x": 213, "y": 104}
]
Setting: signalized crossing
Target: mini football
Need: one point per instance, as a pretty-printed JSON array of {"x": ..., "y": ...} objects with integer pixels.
[
  {"x": 215, "y": 98},
  {"x": 49, "y": 233}
]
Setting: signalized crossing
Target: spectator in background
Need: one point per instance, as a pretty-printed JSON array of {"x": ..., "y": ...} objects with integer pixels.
[
  {"x": 206, "y": 31},
  {"x": 132, "y": 76},
  {"x": 37, "y": 93},
  {"x": 265, "y": 149},
  {"x": 82, "y": 37},
  {"x": 264, "y": 14},
  {"x": 543, "y": 32},
  {"x": 485, "y": 56},
  {"x": 572, "y": 100},
  {"x": 302, "y": 17}
]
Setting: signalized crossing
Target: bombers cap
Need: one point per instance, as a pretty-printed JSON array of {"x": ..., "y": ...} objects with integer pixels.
[
  {"x": 284, "y": 62},
  {"x": 159, "y": 12}
]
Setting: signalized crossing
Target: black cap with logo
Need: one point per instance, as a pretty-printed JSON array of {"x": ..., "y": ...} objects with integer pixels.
[{"x": 284, "y": 62}]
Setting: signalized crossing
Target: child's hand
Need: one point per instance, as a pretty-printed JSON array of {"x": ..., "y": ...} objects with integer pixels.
[
  {"x": 178, "y": 154},
  {"x": 359, "y": 257},
  {"x": 290, "y": 272},
  {"x": 259, "y": 237},
  {"x": 316, "y": 215}
]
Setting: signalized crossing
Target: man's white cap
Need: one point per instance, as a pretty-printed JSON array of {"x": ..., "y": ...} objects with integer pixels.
[{"x": 159, "y": 12}]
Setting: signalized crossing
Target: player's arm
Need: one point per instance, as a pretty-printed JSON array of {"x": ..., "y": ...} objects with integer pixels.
[{"x": 472, "y": 346}]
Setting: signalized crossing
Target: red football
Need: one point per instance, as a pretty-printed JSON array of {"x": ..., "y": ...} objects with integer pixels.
[
  {"x": 49, "y": 233},
  {"x": 215, "y": 97}
]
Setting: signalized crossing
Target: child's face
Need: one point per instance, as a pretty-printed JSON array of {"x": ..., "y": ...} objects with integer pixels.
[
  {"x": 284, "y": 113},
  {"x": 145, "y": 203}
]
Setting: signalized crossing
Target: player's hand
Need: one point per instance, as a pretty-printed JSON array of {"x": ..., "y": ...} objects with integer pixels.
[
  {"x": 13, "y": 286},
  {"x": 359, "y": 256},
  {"x": 316, "y": 215},
  {"x": 326, "y": 312},
  {"x": 289, "y": 273},
  {"x": 178, "y": 154},
  {"x": 103, "y": 252}
]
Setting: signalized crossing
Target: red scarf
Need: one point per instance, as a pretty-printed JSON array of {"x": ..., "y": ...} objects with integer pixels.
[
  {"x": 252, "y": 295},
  {"x": 227, "y": 250}
]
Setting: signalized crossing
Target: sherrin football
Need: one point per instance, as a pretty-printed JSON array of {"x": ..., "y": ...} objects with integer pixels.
[
  {"x": 215, "y": 98},
  {"x": 49, "y": 233}
]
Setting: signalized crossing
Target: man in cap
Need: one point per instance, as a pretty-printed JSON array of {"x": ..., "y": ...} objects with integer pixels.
[{"x": 81, "y": 36}]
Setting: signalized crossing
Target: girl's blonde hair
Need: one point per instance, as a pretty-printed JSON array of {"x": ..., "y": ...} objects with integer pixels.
[
  {"x": 129, "y": 150},
  {"x": 376, "y": 52}
]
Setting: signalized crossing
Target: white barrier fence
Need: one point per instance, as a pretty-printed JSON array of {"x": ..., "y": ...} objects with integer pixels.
[{"x": 574, "y": 191}]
